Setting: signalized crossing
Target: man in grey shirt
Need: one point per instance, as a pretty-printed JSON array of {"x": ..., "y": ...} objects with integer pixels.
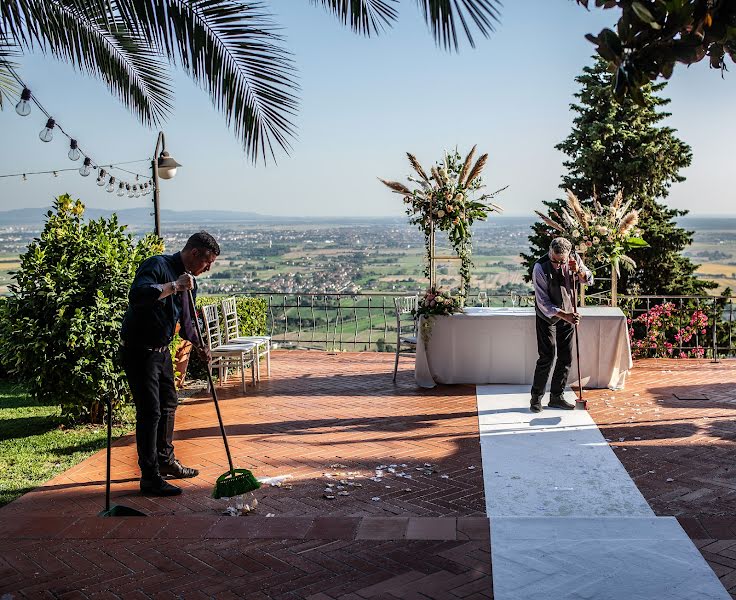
[{"x": 553, "y": 279}]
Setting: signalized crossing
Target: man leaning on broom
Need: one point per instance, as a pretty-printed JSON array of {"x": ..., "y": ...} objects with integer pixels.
[{"x": 156, "y": 305}]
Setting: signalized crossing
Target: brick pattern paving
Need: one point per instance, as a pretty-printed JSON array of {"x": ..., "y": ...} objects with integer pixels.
[
  {"x": 674, "y": 429},
  {"x": 320, "y": 419},
  {"x": 324, "y": 419}
]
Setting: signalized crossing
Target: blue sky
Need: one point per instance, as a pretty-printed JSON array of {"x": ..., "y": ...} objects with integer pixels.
[{"x": 364, "y": 103}]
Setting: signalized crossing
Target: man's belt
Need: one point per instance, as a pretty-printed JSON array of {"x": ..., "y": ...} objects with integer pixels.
[{"x": 141, "y": 347}]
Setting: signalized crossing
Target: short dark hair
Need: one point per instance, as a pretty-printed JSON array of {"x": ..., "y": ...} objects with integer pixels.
[{"x": 204, "y": 240}]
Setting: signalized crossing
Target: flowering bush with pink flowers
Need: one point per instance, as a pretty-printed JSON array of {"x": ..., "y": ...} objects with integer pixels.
[{"x": 667, "y": 332}]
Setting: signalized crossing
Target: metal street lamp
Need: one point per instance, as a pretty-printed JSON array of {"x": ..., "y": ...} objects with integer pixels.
[{"x": 163, "y": 166}]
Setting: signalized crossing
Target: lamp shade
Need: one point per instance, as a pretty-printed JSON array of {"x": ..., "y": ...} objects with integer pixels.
[{"x": 167, "y": 166}]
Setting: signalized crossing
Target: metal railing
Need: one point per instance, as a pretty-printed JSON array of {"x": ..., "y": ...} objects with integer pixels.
[
  {"x": 367, "y": 321},
  {"x": 357, "y": 322}
]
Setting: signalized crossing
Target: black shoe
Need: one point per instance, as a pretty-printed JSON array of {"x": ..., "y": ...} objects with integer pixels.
[
  {"x": 177, "y": 470},
  {"x": 535, "y": 405},
  {"x": 558, "y": 401},
  {"x": 158, "y": 487}
]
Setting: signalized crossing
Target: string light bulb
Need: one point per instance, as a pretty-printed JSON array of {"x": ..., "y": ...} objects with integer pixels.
[
  {"x": 121, "y": 189},
  {"x": 128, "y": 190},
  {"x": 24, "y": 177},
  {"x": 74, "y": 153},
  {"x": 23, "y": 108},
  {"x": 101, "y": 177},
  {"x": 110, "y": 185},
  {"x": 136, "y": 192},
  {"x": 47, "y": 133},
  {"x": 86, "y": 167}
]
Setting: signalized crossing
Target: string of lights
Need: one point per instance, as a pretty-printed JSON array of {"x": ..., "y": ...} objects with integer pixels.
[{"x": 105, "y": 178}]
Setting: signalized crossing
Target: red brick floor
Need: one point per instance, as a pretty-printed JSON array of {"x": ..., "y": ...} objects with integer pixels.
[{"x": 341, "y": 415}]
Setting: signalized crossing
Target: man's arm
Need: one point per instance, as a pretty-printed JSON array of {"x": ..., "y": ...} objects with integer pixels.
[
  {"x": 541, "y": 293},
  {"x": 149, "y": 284},
  {"x": 585, "y": 274}
]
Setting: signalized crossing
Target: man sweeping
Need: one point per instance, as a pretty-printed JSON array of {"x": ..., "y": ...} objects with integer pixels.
[
  {"x": 156, "y": 305},
  {"x": 557, "y": 316}
]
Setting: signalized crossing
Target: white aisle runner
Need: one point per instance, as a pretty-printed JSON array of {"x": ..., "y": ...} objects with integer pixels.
[{"x": 567, "y": 521}]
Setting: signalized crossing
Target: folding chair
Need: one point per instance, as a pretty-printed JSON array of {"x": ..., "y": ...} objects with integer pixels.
[
  {"x": 224, "y": 356},
  {"x": 232, "y": 336},
  {"x": 406, "y": 329}
]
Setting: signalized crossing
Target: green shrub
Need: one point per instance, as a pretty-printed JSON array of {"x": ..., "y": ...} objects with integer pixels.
[{"x": 60, "y": 331}]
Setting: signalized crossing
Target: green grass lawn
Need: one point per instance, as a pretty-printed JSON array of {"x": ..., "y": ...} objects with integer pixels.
[{"x": 35, "y": 443}]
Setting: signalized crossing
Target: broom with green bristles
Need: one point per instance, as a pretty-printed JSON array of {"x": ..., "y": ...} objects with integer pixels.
[{"x": 235, "y": 481}]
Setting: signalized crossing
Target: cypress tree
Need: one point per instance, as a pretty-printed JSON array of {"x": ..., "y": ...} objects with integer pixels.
[{"x": 622, "y": 146}]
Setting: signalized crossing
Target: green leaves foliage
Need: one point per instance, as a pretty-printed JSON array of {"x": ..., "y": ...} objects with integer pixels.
[
  {"x": 622, "y": 146},
  {"x": 59, "y": 331},
  {"x": 651, "y": 36}
]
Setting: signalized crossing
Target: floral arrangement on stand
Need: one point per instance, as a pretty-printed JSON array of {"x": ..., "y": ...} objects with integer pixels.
[
  {"x": 605, "y": 235},
  {"x": 435, "y": 302},
  {"x": 445, "y": 199},
  {"x": 667, "y": 332}
]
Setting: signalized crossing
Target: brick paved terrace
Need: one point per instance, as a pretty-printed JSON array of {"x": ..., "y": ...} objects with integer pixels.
[{"x": 326, "y": 418}]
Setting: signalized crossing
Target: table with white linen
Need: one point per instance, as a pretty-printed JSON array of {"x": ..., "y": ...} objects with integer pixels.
[{"x": 499, "y": 345}]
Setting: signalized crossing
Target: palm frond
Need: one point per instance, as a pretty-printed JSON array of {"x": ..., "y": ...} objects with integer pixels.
[
  {"x": 9, "y": 88},
  {"x": 417, "y": 167},
  {"x": 477, "y": 168},
  {"x": 367, "y": 17},
  {"x": 232, "y": 49},
  {"x": 466, "y": 166},
  {"x": 93, "y": 38},
  {"x": 550, "y": 222},
  {"x": 441, "y": 17},
  {"x": 397, "y": 187}
]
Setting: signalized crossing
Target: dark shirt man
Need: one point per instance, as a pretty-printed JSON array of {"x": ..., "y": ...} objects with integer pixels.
[
  {"x": 158, "y": 300},
  {"x": 556, "y": 318}
]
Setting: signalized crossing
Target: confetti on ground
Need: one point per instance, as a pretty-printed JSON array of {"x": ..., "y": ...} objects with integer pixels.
[
  {"x": 376, "y": 499},
  {"x": 329, "y": 496}
]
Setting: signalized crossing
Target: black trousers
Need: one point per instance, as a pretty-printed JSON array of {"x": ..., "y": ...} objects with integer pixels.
[
  {"x": 151, "y": 379},
  {"x": 549, "y": 337}
]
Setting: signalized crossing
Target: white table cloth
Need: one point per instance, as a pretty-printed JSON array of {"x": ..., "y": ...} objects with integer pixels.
[{"x": 499, "y": 345}]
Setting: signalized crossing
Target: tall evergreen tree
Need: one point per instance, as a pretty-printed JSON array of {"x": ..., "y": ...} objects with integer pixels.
[{"x": 621, "y": 146}]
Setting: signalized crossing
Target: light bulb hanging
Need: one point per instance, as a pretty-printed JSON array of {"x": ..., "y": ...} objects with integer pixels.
[
  {"x": 23, "y": 108},
  {"x": 86, "y": 167},
  {"x": 121, "y": 189},
  {"x": 110, "y": 185},
  {"x": 47, "y": 133},
  {"x": 128, "y": 190},
  {"x": 74, "y": 153},
  {"x": 101, "y": 177}
]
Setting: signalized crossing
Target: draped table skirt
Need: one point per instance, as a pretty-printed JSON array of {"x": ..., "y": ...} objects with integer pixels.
[{"x": 499, "y": 345}]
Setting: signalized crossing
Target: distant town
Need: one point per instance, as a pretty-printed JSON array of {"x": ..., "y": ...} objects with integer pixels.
[{"x": 362, "y": 256}]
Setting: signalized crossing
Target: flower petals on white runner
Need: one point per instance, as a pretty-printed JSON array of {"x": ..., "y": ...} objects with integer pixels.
[{"x": 567, "y": 521}]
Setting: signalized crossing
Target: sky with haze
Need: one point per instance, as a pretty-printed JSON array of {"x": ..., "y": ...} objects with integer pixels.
[{"x": 364, "y": 103}]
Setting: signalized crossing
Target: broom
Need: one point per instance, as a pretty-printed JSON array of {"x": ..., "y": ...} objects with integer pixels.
[
  {"x": 235, "y": 481},
  {"x": 580, "y": 403}
]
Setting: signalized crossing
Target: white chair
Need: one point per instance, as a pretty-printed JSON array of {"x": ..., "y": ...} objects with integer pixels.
[
  {"x": 232, "y": 336},
  {"x": 224, "y": 356},
  {"x": 406, "y": 328}
]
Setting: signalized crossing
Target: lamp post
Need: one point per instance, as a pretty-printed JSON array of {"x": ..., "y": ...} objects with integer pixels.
[{"x": 162, "y": 166}]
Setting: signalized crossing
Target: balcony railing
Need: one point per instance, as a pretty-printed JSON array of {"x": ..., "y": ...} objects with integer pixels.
[{"x": 367, "y": 321}]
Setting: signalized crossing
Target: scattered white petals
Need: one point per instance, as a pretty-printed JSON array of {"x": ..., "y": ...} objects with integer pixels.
[
  {"x": 651, "y": 471},
  {"x": 669, "y": 479},
  {"x": 271, "y": 515},
  {"x": 376, "y": 499},
  {"x": 329, "y": 496},
  {"x": 445, "y": 476},
  {"x": 343, "y": 493},
  {"x": 338, "y": 466},
  {"x": 471, "y": 467}
]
